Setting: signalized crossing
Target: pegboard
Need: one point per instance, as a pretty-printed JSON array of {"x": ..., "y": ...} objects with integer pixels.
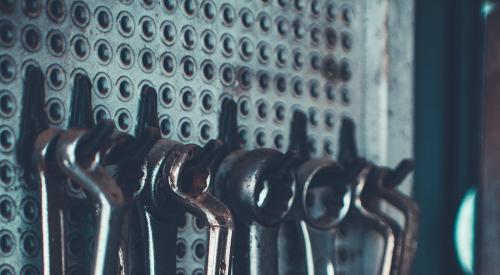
[{"x": 327, "y": 58}]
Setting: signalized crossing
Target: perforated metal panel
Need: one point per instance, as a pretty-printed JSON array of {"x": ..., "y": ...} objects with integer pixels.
[{"x": 271, "y": 56}]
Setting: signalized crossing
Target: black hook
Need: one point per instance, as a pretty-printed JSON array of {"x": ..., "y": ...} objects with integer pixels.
[
  {"x": 348, "y": 150},
  {"x": 397, "y": 175},
  {"x": 81, "y": 103},
  {"x": 298, "y": 135},
  {"x": 148, "y": 112},
  {"x": 94, "y": 139},
  {"x": 228, "y": 126},
  {"x": 33, "y": 117}
]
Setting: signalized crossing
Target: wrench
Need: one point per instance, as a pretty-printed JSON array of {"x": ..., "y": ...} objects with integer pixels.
[
  {"x": 78, "y": 155},
  {"x": 348, "y": 157},
  {"x": 259, "y": 188}
]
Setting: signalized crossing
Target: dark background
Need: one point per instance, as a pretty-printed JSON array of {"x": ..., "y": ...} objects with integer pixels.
[{"x": 448, "y": 94}]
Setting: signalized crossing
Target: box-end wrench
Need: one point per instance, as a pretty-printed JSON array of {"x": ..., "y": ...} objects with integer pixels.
[
  {"x": 79, "y": 157},
  {"x": 348, "y": 157}
]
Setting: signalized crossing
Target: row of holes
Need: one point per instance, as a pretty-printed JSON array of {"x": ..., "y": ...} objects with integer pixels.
[
  {"x": 6, "y": 269},
  {"x": 29, "y": 208},
  {"x": 29, "y": 243},
  {"x": 198, "y": 248}
]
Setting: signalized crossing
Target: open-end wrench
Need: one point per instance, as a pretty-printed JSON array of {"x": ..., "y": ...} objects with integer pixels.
[
  {"x": 178, "y": 181},
  {"x": 322, "y": 201},
  {"x": 78, "y": 155},
  {"x": 382, "y": 186},
  {"x": 259, "y": 188},
  {"x": 348, "y": 157}
]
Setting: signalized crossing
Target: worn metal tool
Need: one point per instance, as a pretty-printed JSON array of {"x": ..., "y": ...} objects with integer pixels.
[
  {"x": 79, "y": 157},
  {"x": 322, "y": 202},
  {"x": 382, "y": 187},
  {"x": 259, "y": 187},
  {"x": 348, "y": 157}
]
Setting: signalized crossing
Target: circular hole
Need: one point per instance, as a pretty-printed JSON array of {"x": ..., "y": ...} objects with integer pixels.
[
  {"x": 243, "y": 136},
  {"x": 330, "y": 91},
  {"x": 56, "y": 43},
  {"x": 207, "y": 101},
  {"x": 103, "y": 51},
  {"x": 80, "y": 14},
  {"x": 180, "y": 272},
  {"x": 315, "y": 8},
  {"x": 279, "y": 113},
  {"x": 281, "y": 83},
  {"x": 7, "y": 104},
  {"x": 189, "y": 7},
  {"x": 188, "y": 67},
  {"x": 180, "y": 250},
  {"x": 31, "y": 7},
  {"x": 315, "y": 61},
  {"x": 103, "y": 19},
  {"x": 200, "y": 250},
  {"x": 6, "y": 173},
  {"x": 205, "y": 132},
  {"x": 126, "y": 56},
  {"x": 329, "y": 67},
  {"x": 187, "y": 98},
  {"x": 29, "y": 270},
  {"x": 208, "y": 38},
  {"x": 228, "y": 45},
  {"x": 7, "y": 208},
  {"x": 298, "y": 59},
  {"x": 330, "y": 11},
  {"x": 198, "y": 271},
  {"x": 245, "y": 78},
  {"x": 7, "y": 33},
  {"x": 147, "y": 60},
  {"x": 246, "y": 49},
  {"x": 298, "y": 29},
  {"x": 282, "y": 26},
  {"x": 185, "y": 130},
  {"x": 125, "y": 24},
  {"x": 264, "y": 52},
  {"x": 55, "y": 112},
  {"x": 148, "y": 28},
  {"x": 313, "y": 148},
  {"x": 264, "y": 22},
  {"x": 56, "y": 10},
  {"x": 168, "y": 64},
  {"x": 188, "y": 37},
  {"x": 329, "y": 120},
  {"x": 31, "y": 38},
  {"x": 101, "y": 113},
  {"x": 7, "y": 69},
  {"x": 345, "y": 70},
  {"x": 166, "y": 126},
  {"x": 345, "y": 95},
  {"x": 262, "y": 110},
  {"x": 170, "y": 5},
  {"x": 247, "y": 18},
  {"x": 346, "y": 41},
  {"x": 76, "y": 245},
  {"x": 29, "y": 209},
  {"x": 102, "y": 84},
  {"x": 315, "y": 35},
  {"x": 313, "y": 117},
  {"x": 281, "y": 56},
  {"x": 314, "y": 89},
  {"x": 80, "y": 47},
  {"x": 260, "y": 138},
  {"x": 7, "y": 243},
  {"x": 278, "y": 141},
  {"x": 209, "y": 10},
  {"x": 347, "y": 15},
  {"x": 167, "y": 95},
  {"x": 208, "y": 69},
  {"x": 331, "y": 37},
  {"x": 299, "y": 5},
  {"x": 227, "y": 74},
  {"x": 328, "y": 147},
  {"x": 228, "y": 14},
  {"x": 264, "y": 80},
  {"x": 123, "y": 120},
  {"x": 169, "y": 32},
  {"x": 6, "y": 139},
  {"x": 244, "y": 107},
  {"x": 6, "y": 270},
  {"x": 125, "y": 88},
  {"x": 29, "y": 244}
]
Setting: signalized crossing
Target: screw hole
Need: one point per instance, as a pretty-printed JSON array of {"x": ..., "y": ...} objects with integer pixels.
[
  {"x": 228, "y": 45},
  {"x": 123, "y": 120},
  {"x": 169, "y": 32},
  {"x": 31, "y": 38},
  {"x": 7, "y": 243},
  {"x": 7, "y": 33},
  {"x": 6, "y": 173},
  {"x": 103, "y": 19},
  {"x": 80, "y": 47},
  {"x": 126, "y": 24},
  {"x": 209, "y": 41},
  {"x": 103, "y": 51},
  {"x": 148, "y": 28},
  {"x": 6, "y": 139},
  {"x": 209, "y": 10},
  {"x": 7, "y": 208},
  {"x": 7, "y": 104},
  {"x": 167, "y": 93},
  {"x": 126, "y": 56},
  {"x": 57, "y": 43},
  {"x": 147, "y": 60},
  {"x": 228, "y": 14},
  {"x": 166, "y": 126},
  {"x": 55, "y": 111},
  {"x": 207, "y": 101},
  {"x": 81, "y": 14}
]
